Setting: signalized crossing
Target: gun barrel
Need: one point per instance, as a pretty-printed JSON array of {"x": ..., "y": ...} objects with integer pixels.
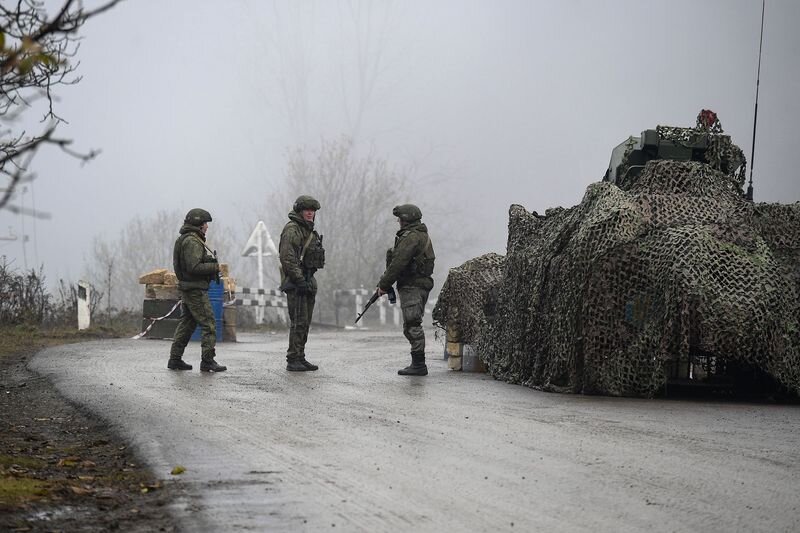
[{"x": 369, "y": 303}]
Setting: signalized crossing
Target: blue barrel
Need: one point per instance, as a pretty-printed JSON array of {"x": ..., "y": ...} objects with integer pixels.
[{"x": 215, "y": 294}]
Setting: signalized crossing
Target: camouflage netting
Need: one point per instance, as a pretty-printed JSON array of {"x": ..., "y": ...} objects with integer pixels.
[
  {"x": 610, "y": 296},
  {"x": 468, "y": 296}
]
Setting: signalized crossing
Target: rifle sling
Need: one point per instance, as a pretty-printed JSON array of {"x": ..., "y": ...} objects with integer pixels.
[{"x": 305, "y": 247}]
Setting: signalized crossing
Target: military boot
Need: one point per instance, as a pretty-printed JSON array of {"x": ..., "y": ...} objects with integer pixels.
[
  {"x": 417, "y": 366},
  {"x": 296, "y": 365},
  {"x": 212, "y": 366},
  {"x": 310, "y": 366},
  {"x": 178, "y": 364}
]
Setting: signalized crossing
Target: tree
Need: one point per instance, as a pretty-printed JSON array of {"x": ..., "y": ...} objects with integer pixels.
[{"x": 36, "y": 51}]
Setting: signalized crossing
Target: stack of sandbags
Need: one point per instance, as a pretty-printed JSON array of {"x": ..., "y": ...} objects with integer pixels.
[
  {"x": 229, "y": 312},
  {"x": 460, "y": 355}
]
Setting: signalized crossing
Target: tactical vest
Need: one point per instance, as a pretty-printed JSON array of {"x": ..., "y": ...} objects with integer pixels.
[
  {"x": 177, "y": 261},
  {"x": 312, "y": 256},
  {"x": 421, "y": 264}
]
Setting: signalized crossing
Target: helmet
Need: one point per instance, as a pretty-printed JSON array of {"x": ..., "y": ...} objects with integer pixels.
[
  {"x": 407, "y": 212},
  {"x": 197, "y": 217},
  {"x": 305, "y": 202}
]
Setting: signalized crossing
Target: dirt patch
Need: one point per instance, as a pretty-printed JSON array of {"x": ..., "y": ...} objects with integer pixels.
[{"x": 61, "y": 469}]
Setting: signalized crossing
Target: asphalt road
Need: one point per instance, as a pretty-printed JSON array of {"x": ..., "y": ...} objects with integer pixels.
[{"x": 355, "y": 447}]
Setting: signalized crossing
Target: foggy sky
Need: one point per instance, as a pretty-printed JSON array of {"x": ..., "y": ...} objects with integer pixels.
[{"x": 495, "y": 102}]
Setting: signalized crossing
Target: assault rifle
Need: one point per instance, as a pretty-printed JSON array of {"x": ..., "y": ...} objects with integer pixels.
[
  {"x": 216, "y": 277},
  {"x": 392, "y": 299}
]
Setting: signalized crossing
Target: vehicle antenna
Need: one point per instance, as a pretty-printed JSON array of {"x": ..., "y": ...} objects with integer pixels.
[{"x": 749, "y": 194}]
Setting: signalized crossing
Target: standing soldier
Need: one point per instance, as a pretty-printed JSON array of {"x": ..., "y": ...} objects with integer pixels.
[
  {"x": 301, "y": 255},
  {"x": 195, "y": 266},
  {"x": 410, "y": 264}
]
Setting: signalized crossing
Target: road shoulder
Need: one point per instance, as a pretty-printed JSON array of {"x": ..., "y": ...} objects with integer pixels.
[{"x": 62, "y": 469}]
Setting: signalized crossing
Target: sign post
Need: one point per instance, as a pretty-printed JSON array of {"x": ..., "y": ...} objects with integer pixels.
[{"x": 260, "y": 245}]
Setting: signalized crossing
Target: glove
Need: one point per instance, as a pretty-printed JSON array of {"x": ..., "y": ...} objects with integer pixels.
[{"x": 302, "y": 287}]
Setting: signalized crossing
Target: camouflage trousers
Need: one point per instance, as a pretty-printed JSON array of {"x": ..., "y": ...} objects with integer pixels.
[
  {"x": 301, "y": 309},
  {"x": 412, "y": 303},
  {"x": 196, "y": 310}
]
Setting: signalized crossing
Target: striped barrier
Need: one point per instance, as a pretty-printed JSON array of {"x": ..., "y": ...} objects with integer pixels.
[
  {"x": 351, "y": 299},
  {"x": 251, "y": 297},
  {"x": 355, "y": 299}
]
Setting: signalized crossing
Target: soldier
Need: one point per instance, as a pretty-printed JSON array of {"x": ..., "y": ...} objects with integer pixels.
[
  {"x": 410, "y": 264},
  {"x": 301, "y": 255},
  {"x": 195, "y": 267}
]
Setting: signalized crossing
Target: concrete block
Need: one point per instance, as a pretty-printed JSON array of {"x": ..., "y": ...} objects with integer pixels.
[
  {"x": 470, "y": 362},
  {"x": 162, "y": 329},
  {"x": 154, "y": 276},
  {"x": 453, "y": 334},
  {"x": 454, "y": 363},
  {"x": 159, "y": 308},
  {"x": 453, "y": 349}
]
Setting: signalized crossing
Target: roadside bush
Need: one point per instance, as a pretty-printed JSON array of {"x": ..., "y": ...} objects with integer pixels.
[{"x": 23, "y": 297}]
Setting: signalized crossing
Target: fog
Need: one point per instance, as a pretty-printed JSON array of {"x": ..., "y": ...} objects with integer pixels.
[{"x": 489, "y": 103}]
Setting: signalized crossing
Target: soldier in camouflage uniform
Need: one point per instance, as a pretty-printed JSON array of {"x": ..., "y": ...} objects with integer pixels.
[
  {"x": 301, "y": 255},
  {"x": 410, "y": 265},
  {"x": 195, "y": 267}
]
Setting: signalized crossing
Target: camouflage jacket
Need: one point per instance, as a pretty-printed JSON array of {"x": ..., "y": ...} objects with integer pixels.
[
  {"x": 194, "y": 266},
  {"x": 293, "y": 237},
  {"x": 410, "y": 262}
]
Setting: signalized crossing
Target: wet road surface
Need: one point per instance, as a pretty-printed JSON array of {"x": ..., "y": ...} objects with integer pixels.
[{"x": 355, "y": 447}]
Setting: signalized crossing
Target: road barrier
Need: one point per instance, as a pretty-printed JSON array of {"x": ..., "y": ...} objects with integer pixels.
[
  {"x": 355, "y": 299},
  {"x": 246, "y": 296}
]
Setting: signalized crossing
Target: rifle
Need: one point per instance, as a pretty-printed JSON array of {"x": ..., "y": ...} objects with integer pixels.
[
  {"x": 217, "y": 277},
  {"x": 392, "y": 299}
]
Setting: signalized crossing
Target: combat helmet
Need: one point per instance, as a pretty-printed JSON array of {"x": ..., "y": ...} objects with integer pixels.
[
  {"x": 197, "y": 217},
  {"x": 407, "y": 212},
  {"x": 305, "y": 202}
]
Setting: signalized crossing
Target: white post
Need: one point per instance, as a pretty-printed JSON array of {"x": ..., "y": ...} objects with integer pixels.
[
  {"x": 84, "y": 314},
  {"x": 359, "y": 304},
  {"x": 382, "y": 311},
  {"x": 260, "y": 252}
]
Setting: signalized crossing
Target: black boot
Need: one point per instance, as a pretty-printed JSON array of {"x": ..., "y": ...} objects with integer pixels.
[
  {"x": 178, "y": 364},
  {"x": 296, "y": 365},
  {"x": 417, "y": 366},
  {"x": 310, "y": 366},
  {"x": 212, "y": 366}
]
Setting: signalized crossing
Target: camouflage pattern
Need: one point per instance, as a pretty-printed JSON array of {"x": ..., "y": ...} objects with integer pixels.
[
  {"x": 410, "y": 263},
  {"x": 467, "y": 301},
  {"x": 293, "y": 237},
  {"x": 196, "y": 310},
  {"x": 407, "y": 212},
  {"x": 412, "y": 303},
  {"x": 301, "y": 306},
  {"x": 197, "y": 217},
  {"x": 194, "y": 266},
  {"x": 301, "y": 310},
  {"x": 305, "y": 202},
  {"x": 636, "y": 285}
]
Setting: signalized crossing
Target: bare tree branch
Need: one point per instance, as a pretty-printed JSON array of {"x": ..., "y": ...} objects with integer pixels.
[{"x": 36, "y": 55}]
